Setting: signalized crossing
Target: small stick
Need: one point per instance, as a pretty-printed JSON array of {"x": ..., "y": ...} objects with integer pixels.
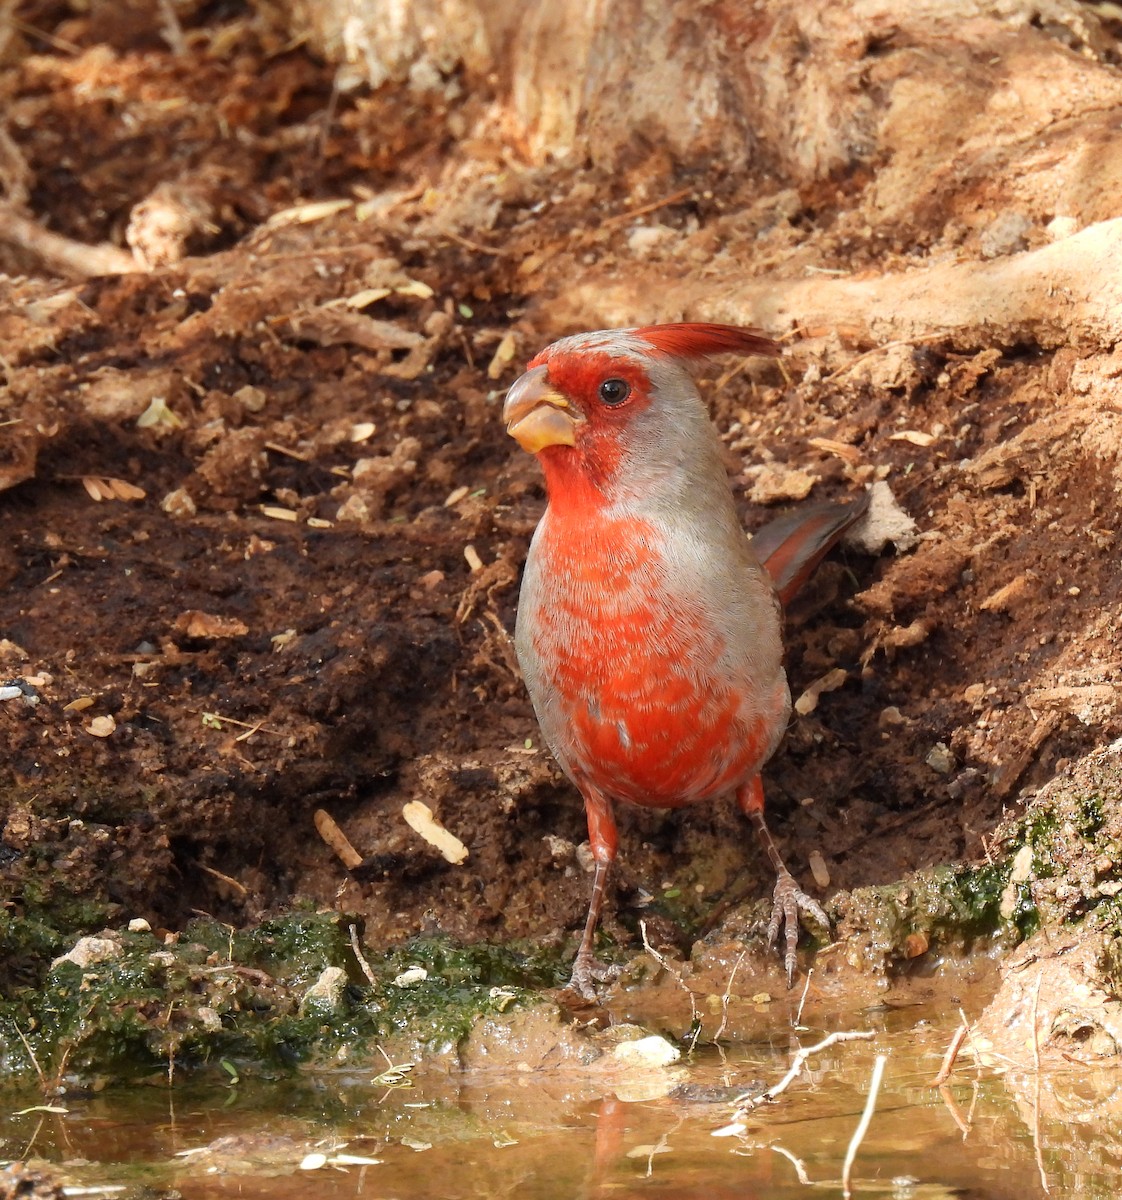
[
  {"x": 623, "y": 217},
  {"x": 695, "y": 1020},
  {"x": 171, "y": 30},
  {"x": 60, "y": 254},
  {"x": 336, "y": 839},
  {"x": 956, "y": 1116},
  {"x": 258, "y": 727},
  {"x": 797, "y": 1023},
  {"x": 33, "y": 31},
  {"x": 1036, "y": 1090},
  {"x": 947, "y": 1066},
  {"x": 746, "y": 1103},
  {"x": 973, "y": 1049},
  {"x": 238, "y": 887},
  {"x": 478, "y": 247},
  {"x": 726, "y": 996},
  {"x": 277, "y": 448},
  {"x": 863, "y": 1124},
  {"x": 366, "y": 970},
  {"x": 797, "y": 1163},
  {"x": 34, "y": 1060}
]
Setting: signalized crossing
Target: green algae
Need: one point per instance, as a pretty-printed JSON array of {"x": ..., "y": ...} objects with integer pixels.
[{"x": 215, "y": 998}]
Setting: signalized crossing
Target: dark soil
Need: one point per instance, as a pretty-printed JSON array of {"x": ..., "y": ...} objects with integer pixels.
[{"x": 288, "y": 618}]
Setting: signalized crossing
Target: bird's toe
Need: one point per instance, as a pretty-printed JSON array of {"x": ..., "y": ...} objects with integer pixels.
[{"x": 788, "y": 901}]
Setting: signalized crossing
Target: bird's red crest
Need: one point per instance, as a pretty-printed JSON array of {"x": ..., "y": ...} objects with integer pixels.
[{"x": 698, "y": 339}]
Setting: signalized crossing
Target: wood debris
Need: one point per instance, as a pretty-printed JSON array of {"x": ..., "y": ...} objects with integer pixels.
[
  {"x": 914, "y": 436},
  {"x": 418, "y": 816},
  {"x": 305, "y": 214},
  {"x": 1008, "y": 596},
  {"x": 336, "y": 839},
  {"x": 197, "y": 624},
  {"x": 843, "y": 450},
  {"x": 503, "y": 356},
  {"x": 830, "y": 682}
]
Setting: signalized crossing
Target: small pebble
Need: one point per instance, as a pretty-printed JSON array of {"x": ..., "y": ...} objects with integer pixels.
[{"x": 939, "y": 758}]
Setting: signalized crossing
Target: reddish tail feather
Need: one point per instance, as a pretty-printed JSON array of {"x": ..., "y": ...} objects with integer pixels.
[{"x": 790, "y": 547}]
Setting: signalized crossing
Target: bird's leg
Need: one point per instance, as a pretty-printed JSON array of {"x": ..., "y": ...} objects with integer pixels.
[
  {"x": 788, "y": 899},
  {"x": 603, "y": 839}
]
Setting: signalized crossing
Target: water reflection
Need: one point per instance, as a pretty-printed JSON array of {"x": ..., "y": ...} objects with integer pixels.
[{"x": 551, "y": 1134}]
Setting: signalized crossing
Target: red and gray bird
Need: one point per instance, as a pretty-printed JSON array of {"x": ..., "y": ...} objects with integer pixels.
[{"x": 649, "y": 628}]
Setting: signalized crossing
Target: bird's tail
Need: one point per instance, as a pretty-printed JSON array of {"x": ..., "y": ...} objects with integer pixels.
[{"x": 791, "y": 546}]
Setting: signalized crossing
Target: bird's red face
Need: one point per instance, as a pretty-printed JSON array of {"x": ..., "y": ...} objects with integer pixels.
[
  {"x": 574, "y": 408},
  {"x": 586, "y": 400}
]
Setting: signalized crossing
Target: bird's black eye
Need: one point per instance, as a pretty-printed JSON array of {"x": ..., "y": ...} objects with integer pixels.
[{"x": 614, "y": 391}]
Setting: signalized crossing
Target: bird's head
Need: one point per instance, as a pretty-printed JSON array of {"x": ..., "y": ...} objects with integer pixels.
[{"x": 616, "y": 411}]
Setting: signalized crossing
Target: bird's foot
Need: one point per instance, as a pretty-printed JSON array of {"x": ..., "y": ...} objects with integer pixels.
[
  {"x": 589, "y": 971},
  {"x": 788, "y": 900}
]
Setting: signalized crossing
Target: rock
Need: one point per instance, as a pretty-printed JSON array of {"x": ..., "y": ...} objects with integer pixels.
[
  {"x": 88, "y": 951},
  {"x": 326, "y": 996}
]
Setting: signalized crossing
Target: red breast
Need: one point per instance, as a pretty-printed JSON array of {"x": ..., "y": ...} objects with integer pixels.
[{"x": 636, "y": 698}]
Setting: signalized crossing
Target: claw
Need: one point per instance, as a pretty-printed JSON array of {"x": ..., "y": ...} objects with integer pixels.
[
  {"x": 587, "y": 972},
  {"x": 788, "y": 901}
]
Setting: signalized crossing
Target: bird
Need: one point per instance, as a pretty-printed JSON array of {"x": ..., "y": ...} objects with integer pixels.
[{"x": 649, "y": 629}]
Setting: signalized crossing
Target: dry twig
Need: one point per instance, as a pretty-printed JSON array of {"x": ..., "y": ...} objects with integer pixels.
[
  {"x": 623, "y": 217},
  {"x": 863, "y": 1124},
  {"x": 61, "y": 254},
  {"x": 1037, "y": 1149},
  {"x": 336, "y": 839},
  {"x": 695, "y": 1019},
  {"x": 947, "y": 1065},
  {"x": 366, "y": 969},
  {"x": 746, "y": 1103}
]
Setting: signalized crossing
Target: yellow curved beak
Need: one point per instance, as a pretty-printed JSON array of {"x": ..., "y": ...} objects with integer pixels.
[{"x": 536, "y": 416}]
